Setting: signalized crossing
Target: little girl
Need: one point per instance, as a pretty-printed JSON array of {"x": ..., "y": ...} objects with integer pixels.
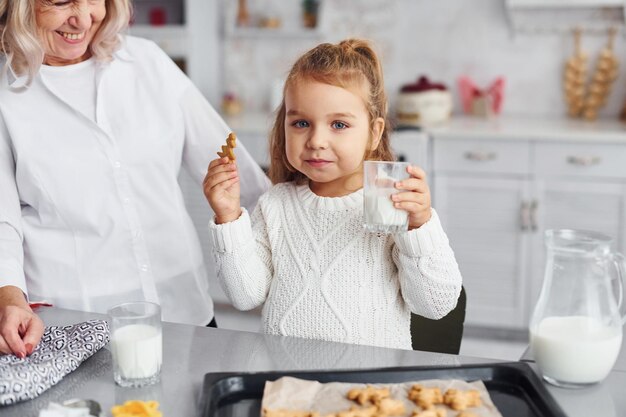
[{"x": 303, "y": 251}]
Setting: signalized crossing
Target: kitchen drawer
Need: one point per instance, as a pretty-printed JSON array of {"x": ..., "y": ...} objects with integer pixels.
[
  {"x": 481, "y": 156},
  {"x": 574, "y": 159}
]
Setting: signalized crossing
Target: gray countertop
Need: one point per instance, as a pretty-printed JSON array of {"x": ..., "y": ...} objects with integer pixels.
[{"x": 190, "y": 351}]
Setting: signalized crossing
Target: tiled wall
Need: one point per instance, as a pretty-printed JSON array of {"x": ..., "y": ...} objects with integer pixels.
[{"x": 441, "y": 38}]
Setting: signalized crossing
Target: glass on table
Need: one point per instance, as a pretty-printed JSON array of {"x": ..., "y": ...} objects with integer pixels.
[
  {"x": 378, "y": 185},
  {"x": 136, "y": 343}
]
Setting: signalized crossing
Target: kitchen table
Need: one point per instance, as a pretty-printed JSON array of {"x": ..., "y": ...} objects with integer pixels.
[{"x": 191, "y": 351}]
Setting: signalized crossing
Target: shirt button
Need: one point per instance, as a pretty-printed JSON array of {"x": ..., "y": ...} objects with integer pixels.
[
  {"x": 126, "y": 200},
  {"x": 117, "y": 164},
  {"x": 144, "y": 267}
]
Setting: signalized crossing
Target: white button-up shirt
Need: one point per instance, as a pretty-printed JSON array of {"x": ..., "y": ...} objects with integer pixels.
[{"x": 91, "y": 212}]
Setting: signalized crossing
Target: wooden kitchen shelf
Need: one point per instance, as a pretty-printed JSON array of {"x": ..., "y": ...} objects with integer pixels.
[{"x": 292, "y": 26}]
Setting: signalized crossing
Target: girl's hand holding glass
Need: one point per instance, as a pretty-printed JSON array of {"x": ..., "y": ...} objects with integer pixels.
[
  {"x": 414, "y": 197},
  {"x": 221, "y": 189}
]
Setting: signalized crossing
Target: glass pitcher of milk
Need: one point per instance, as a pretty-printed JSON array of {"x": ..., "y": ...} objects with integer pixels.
[{"x": 576, "y": 327}]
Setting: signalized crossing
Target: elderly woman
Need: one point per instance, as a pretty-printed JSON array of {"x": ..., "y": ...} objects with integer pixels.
[{"x": 94, "y": 129}]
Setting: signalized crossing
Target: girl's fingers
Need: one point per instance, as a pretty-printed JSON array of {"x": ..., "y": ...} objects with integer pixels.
[
  {"x": 416, "y": 172},
  {"x": 212, "y": 180},
  {"x": 217, "y": 166},
  {"x": 226, "y": 184},
  {"x": 218, "y": 161},
  {"x": 410, "y": 206},
  {"x": 410, "y": 196},
  {"x": 412, "y": 184}
]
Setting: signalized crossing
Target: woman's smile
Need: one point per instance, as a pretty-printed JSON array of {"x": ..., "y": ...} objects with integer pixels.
[{"x": 72, "y": 37}]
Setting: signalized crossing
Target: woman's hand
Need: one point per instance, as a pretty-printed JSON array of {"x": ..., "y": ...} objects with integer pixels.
[
  {"x": 20, "y": 328},
  {"x": 415, "y": 197},
  {"x": 221, "y": 189}
]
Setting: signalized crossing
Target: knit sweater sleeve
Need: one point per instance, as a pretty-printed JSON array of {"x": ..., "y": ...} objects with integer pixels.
[
  {"x": 429, "y": 275},
  {"x": 243, "y": 258}
]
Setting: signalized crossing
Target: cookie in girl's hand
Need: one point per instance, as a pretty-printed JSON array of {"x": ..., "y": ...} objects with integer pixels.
[{"x": 227, "y": 150}]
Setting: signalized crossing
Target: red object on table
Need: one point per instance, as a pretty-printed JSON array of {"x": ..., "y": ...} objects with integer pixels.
[
  {"x": 38, "y": 304},
  {"x": 158, "y": 16}
]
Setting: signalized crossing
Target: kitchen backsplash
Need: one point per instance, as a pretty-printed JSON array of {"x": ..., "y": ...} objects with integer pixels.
[{"x": 443, "y": 39}]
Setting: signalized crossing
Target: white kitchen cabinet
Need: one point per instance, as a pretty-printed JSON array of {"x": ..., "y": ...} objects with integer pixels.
[
  {"x": 412, "y": 146},
  {"x": 482, "y": 219},
  {"x": 497, "y": 197},
  {"x": 480, "y": 190}
]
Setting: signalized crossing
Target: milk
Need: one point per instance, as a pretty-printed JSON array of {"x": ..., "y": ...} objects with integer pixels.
[
  {"x": 577, "y": 349},
  {"x": 137, "y": 351},
  {"x": 379, "y": 212}
]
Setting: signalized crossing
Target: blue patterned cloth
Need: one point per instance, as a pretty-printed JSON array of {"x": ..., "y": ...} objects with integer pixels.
[{"x": 61, "y": 350}]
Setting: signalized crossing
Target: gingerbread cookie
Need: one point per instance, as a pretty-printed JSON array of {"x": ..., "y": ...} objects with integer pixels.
[
  {"x": 227, "y": 150},
  {"x": 460, "y": 400},
  {"x": 390, "y": 407},
  {"x": 368, "y": 395},
  {"x": 425, "y": 397}
]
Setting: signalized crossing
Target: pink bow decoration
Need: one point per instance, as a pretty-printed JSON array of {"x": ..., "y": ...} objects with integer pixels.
[{"x": 470, "y": 92}]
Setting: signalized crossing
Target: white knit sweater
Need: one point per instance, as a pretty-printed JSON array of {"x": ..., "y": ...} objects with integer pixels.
[{"x": 322, "y": 276}]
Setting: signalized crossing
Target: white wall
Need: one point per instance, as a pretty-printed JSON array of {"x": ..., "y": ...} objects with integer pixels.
[{"x": 440, "y": 38}]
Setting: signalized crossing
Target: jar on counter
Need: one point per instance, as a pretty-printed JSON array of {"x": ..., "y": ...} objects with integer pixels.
[{"x": 423, "y": 103}]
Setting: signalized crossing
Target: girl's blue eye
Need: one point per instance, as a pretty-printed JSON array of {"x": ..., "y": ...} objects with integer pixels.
[
  {"x": 300, "y": 123},
  {"x": 338, "y": 125}
]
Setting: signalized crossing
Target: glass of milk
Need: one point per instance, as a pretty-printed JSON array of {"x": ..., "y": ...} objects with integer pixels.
[
  {"x": 576, "y": 327},
  {"x": 378, "y": 185},
  {"x": 136, "y": 343}
]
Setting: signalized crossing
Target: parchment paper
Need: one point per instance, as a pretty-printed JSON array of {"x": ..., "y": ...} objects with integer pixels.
[{"x": 299, "y": 394}]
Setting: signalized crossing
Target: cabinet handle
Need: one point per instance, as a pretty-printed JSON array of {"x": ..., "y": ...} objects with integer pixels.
[
  {"x": 480, "y": 156},
  {"x": 583, "y": 161},
  {"x": 525, "y": 216},
  {"x": 533, "y": 215}
]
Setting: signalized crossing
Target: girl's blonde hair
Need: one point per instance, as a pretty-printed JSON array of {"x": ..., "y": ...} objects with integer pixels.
[
  {"x": 350, "y": 64},
  {"x": 20, "y": 44}
]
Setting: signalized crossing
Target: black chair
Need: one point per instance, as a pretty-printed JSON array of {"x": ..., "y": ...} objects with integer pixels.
[{"x": 443, "y": 335}]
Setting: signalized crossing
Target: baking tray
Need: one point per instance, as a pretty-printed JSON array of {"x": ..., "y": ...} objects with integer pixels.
[{"x": 513, "y": 386}]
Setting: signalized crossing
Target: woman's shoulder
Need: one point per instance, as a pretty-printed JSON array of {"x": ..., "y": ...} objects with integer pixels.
[
  {"x": 139, "y": 48},
  {"x": 152, "y": 62}
]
